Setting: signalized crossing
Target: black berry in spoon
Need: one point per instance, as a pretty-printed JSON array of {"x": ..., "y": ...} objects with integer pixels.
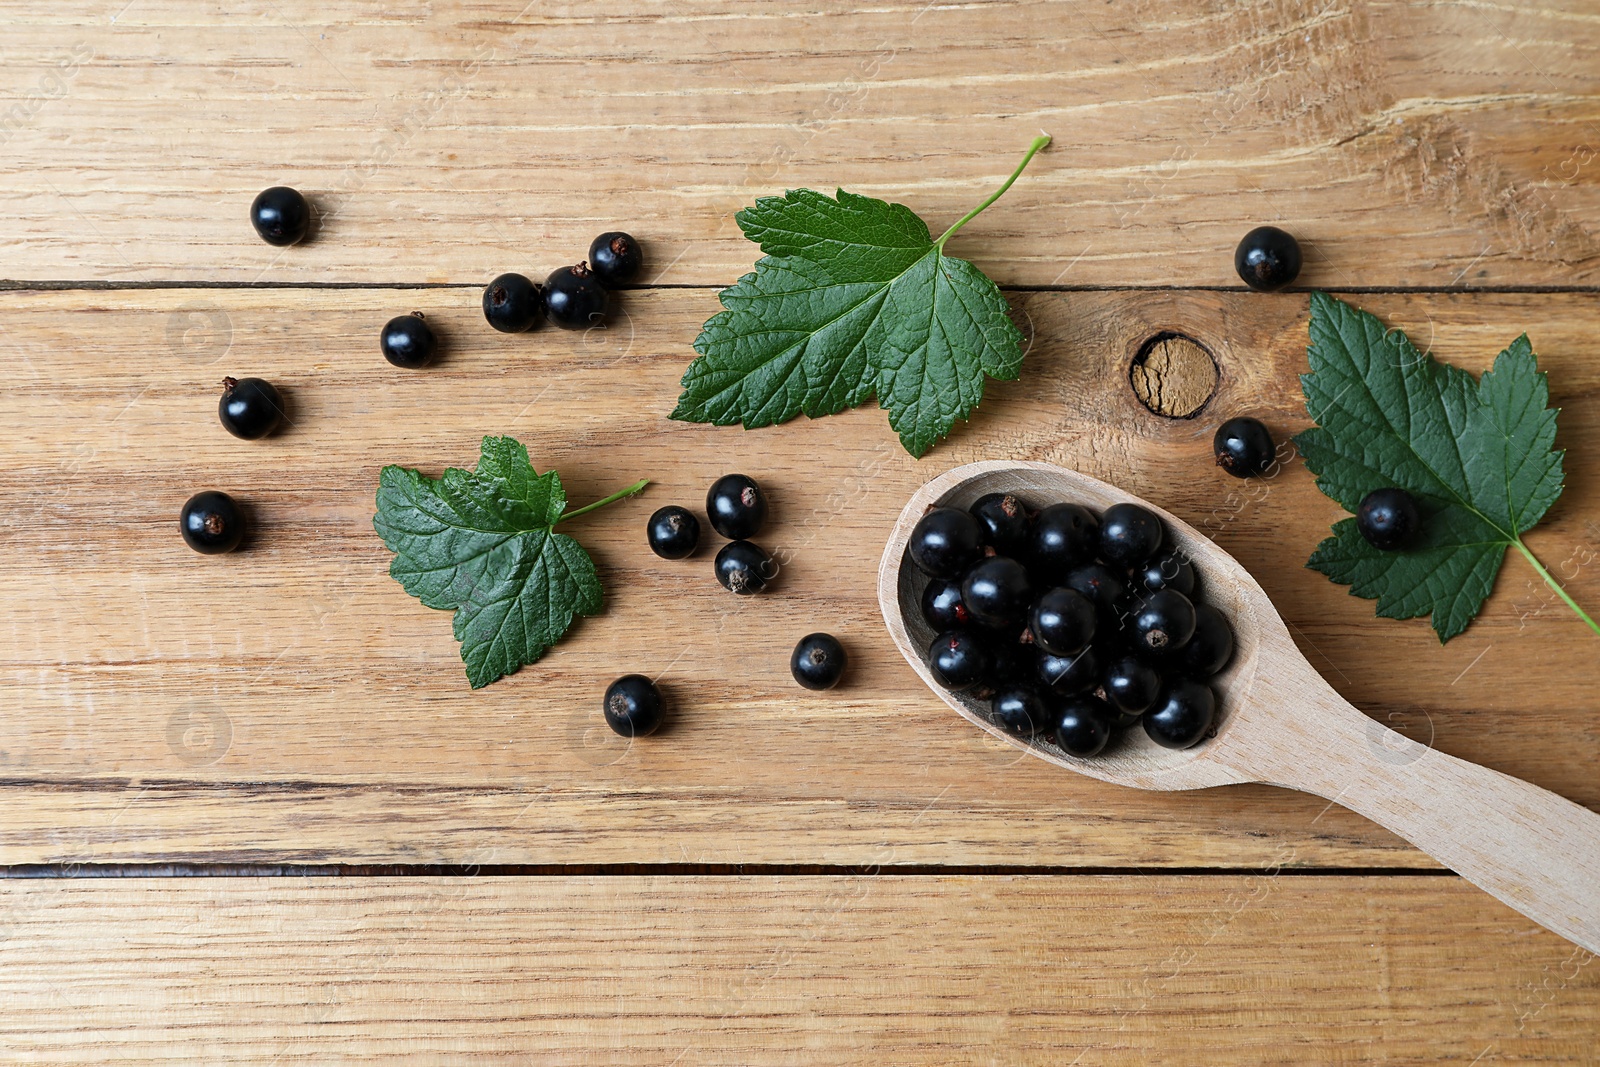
[
  {"x": 1128, "y": 534},
  {"x": 1163, "y": 623},
  {"x": 1209, "y": 650},
  {"x": 1083, "y": 727},
  {"x": 1062, "y": 622},
  {"x": 945, "y": 542},
  {"x": 1003, "y": 523},
  {"x": 997, "y": 592},
  {"x": 1182, "y": 714},
  {"x": 959, "y": 659}
]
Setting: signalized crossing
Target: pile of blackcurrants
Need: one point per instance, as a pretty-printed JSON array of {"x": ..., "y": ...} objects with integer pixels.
[{"x": 1073, "y": 626}]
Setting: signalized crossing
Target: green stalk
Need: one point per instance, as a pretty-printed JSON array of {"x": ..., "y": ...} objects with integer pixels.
[
  {"x": 1550, "y": 580},
  {"x": 612, "y": 499},
  {"x": 1033, "y": 150}
]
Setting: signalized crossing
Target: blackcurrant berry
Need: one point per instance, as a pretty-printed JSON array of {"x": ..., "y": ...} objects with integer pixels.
[
  {"x": 1389, "y": 519},
  {"x": 281, "y": 216},
  {"x": 408, "y": 342},
  {"x": 1209, "y": 650},
  {"x": 1062, "y": 621},
  {"x": 1083, "y": 728},
  {"x": 1064, "y": 536},
  {"x": 211, "y": 523},
  {"x": 736, "y": 506},
  {"x": 942, "y": 606},
  {"x": 1163, "y": 623},
  {"x": 615, "y": 258},
  {"x": 250, "y": 407},
  {"x": 574, "y": 299},
  {"x": 673, "y": 532},
  {"x": 959, "y": 660},
  {"x": 1243, "y": 447},
  {"x": 945, "y": 542},
  {"x": 1068, "y": 675},
  {"x": 744, "y": 568},
  {"x": 1182, "y": 713},
  {"x": 1011, "y": 663},
  {"x": 633, "y": 706},
  {"x": 1128, "y": 534},
  {"x": 1022, "y": 710},
  {"x": 1267, "y": 259},
  {"x": 1170, "y": 570},
  {"x": 1131, "y": 684},
  {"x": 512, "y": 303},
  {"x": 996, "y": 592},
  {"x": 1102, "y": 585},
  {"x": 818, "y": 661},
  {"x": 1003, "y": 523}
]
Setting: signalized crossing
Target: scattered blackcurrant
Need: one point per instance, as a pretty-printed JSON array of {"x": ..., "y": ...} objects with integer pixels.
[
  {"x": 574, "y": 299},
  {"x": 1209, "y": 650},
  {"x": 744, "y": 568},
  {"x": 996, "y": 592},
  {"x": 1062, "y": 622},
  {"x": 959, "y": 660},
  {"x": 1068, "y": 675},
  {"x": 615, "y": 258},
  {"x": 1131, "y": 685},
  {"x": 673, "y": 532},
  {"x": 1064, "y": 536},
  {"x": 1267, "y": 259},
  {"x": 211, "y": 523},
  {"x": 736, "y": 506},
  {"x": 1128, "y": 534},
  {"x": 1163, "y": 623},
  {"x": 1170, "y": 570},
  {"x": 1389, "y": 519},
  {"x": 1083, "y": 727},
  {"x": 281, "y": 216},
  {"x": 407, "y": 341},
  {"x": 945, "y": 542},
  {"x": 1021, "y": 710},
  {"x": 1182, "y": 714},
  {"x": 250, "y": 407},
  {"x": 818, "y": 661},
  {"x": 1003, "y": 522},
  {"x": 512, "y": 303},
  {"x": 633, "y": 706},
  {"x": 1243, "y": 447},
  {"x": 942, "y": 606}
]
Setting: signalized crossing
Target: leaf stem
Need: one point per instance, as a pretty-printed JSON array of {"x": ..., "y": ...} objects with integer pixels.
[
  {"x": 612, "y": 499},
  {"x": 1549, "y": 580},
  {"x": 1033, "y": 150}
]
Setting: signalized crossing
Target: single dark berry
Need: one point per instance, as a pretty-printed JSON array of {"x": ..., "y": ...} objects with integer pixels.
[
  {"x": 408, "y": 342},
  {"x": 959, "y": 660},
  {"x": 1243, "y": 447},
  {"x": 281, "y": 216},
  {"x": 1170, "y": 570},
  {"x": 633, "y": 706},
  {"x": 1022, "y": 710},
  {"x": 744, "y": 568},
  {"x": 942, "y": 606},
  {"x": 1182, "y": 713},
  {"x": 673, "y": 532},
  {"x": 945, "y": 542},
  {"x": 1163, "y": 623},
  {"x": 512, "y": 303},
  {"x": 1062, "y": 621},
  {"x": 1102, "y": 585},
  {"x": 736, "y": 506},
  {"x": 818, "y": 661},
  {"x": 997, "y": 593},
  {"x": 1211, "y": 647},
  {"x": 574, "y": 299},
  {"x": 1389, "y": 519},
  {"x": 1064, "y": 536},
  {"x": 1131, "y": 685},
  {"x": 211, "y": 523},
  {"x": 1128, "y": 534},
  {"x": 1011, "y": 663},
  {"x": 250, "y": 407},
  {"x": 1003, "y": 523},
  {"x": 615, "y": 258},
  {"x": 1083, "y": 727},
  {"x": 1069, "y": 675},
  {"x": 1267, "y": 259}
]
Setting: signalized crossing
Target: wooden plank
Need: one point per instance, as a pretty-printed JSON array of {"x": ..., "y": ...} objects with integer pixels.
[
  {"x": 1407, "y": 144},
  {"x": 1111, "y": 970},
  {"x": 290, "y": 702}
]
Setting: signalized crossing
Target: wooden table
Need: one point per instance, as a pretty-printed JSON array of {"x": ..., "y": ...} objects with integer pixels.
[{"x": 779, "y": 877}]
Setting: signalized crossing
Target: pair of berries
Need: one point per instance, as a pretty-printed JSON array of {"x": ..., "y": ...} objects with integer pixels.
[
  {"x": 212, "y": 522},
  {"x": 574, "y": 298}
]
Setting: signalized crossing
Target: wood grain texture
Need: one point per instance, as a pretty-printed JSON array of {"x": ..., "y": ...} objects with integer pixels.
[
  {"x": 290, "y": 702},
  {"x": 1428, "y": 143},
  {"x": 1270, "y": 969}
]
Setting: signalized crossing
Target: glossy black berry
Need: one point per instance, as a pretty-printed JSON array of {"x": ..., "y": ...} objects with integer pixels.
[
  {"x": 281, "y": 216},
  {"x": 743, "y": 568},
  {"x": 942, "y": 606},
  {"x": 1182, "y": 714},
  {"x": 1211, "y": 647},
  {"x": 959, "y": 660},
  {"x": 1064, "y": 536},
  {"x": 250, "y": 407},
  {"x": 1129, "y": 534},
  {"x": 1243, "y": 447},
  {"x": 1267, "y": 259},
  {"x": 1169, "y": 570},
  {"x": 407, "y": 341},
  {"x": 1102, "y": 585},
  {"x": 211, "y": 523},
  {"x": 633, "y": 706},
  {"x": 615, "y": 258},
  {"x": 736, "y": 506},
  {"x": 1062, "y": 621},
  {"x": 1068, "y": 675},
  {"x": 1083, "y": 727},
  {"x": 1003, "y": 523},
  {"x": 997, "y": 592},
  {"x": 673, "y": 532},
  {"x": 1389, "y": 519},
  {"x": 574, "y": 299},
  {"x": 945, "y": 542},
  {"x": 1131, "y": 685},
  {"x": 818, "y": 661},
  {"x": 1022, "y": 710},
  {"x": 512, "y": 303},
  {"x": 1162, "y": 623}
]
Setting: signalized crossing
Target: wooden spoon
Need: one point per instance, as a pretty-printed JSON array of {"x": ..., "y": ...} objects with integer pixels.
[{"x": 1281, "y": 723}]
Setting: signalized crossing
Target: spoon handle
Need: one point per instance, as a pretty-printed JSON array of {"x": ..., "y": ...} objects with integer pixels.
[{"x": 1535, "y": 851}]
